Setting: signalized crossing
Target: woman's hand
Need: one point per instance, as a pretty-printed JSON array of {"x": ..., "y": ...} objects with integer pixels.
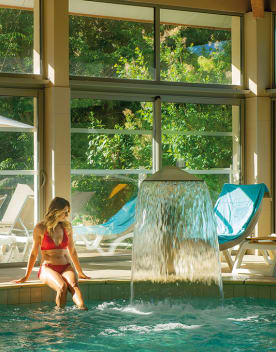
[
  {"x": 83, "y": 276},
  {"x": 20, "y": 281}
]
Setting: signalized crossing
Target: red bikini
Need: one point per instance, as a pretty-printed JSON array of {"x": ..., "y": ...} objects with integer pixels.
[{"x": 48, "y": 243}]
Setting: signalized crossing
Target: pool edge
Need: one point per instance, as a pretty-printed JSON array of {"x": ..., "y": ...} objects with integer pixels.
[{"x": 107, "y": 289}]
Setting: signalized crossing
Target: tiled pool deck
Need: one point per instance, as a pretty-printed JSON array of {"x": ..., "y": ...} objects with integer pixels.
[{"x": 110, "y": 279}]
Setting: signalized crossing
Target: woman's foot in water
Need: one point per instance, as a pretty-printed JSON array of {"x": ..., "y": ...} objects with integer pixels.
[{"x": 82, "y": 307}]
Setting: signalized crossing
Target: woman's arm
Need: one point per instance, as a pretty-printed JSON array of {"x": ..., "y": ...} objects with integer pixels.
[
  {"x": 74, "y": 256},
  {"x": 33, "y": 254}
]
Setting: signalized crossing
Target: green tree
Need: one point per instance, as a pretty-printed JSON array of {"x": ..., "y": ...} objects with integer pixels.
[{"x": 16, "y": 40}]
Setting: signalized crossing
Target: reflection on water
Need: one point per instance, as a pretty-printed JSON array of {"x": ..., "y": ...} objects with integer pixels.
[
  {"x": 170, "y": 325},
  {"x": 175, "y": 234}
]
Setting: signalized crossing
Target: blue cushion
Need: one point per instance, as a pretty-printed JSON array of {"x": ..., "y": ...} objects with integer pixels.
[
  {"x": 117, "y": 224},
  {"x": 235, "y": 207}
]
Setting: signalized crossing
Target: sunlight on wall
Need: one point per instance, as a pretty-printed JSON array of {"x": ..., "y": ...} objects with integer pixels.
[
  {"x": 236, "y": 75},
  {"x": 36, "y": 62},
  {"x": 53, "y": 175},
  {"x": 51, "y": 73},
  {"x": 255, "y": 166},
  {"x": 252, "y": 86}
]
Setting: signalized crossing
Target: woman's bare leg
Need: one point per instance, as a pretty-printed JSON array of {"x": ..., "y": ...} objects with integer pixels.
[
  {"x": 55, "y": 281},
  {"x": 69, "y": 276}
]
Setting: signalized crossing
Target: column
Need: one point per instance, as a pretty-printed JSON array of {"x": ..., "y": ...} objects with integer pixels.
[
  {"x": 57, "y": 100},
  {"x": 258, "y": 77}
]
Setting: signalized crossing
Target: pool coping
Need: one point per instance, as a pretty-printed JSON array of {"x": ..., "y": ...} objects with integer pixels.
[
  {"x": 237, "y": 280},
  {"x": 109, "y": 289}
]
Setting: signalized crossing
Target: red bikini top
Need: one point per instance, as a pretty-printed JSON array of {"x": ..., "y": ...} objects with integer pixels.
[{"x": 48, "y": 242}]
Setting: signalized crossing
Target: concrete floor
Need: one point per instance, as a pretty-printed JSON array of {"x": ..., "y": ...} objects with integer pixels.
[
  {"x": 99, "y": 267},
  {"x": 118, "y": 267}
]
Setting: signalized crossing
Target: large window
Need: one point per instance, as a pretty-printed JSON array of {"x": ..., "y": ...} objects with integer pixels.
[
  {"x": 111, "y": 144},
  {"x": 111, "y": 152},
  {"x": 123, "y": 41},
  {"x": 19, "y": 51},
  {"x": 18, "y": 176},
  {"x": 134, "y": 128}
]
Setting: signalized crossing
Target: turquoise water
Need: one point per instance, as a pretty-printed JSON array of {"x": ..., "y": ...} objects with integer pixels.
[{"x": 177, "y": 325}]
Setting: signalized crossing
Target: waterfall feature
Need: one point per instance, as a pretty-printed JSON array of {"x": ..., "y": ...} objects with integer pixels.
[{"x": 175, "y": 233}]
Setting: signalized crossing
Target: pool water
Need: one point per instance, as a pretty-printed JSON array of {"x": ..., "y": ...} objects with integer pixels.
[{"x": 195, "y": 325}]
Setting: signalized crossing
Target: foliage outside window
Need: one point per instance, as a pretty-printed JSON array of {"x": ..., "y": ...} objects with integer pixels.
[
  {"x": 195, "y": 55},
  {"x": 16, "y": 144},
  {"x": 110, "y": 41},
  {"x": 16, "y": 40},
  {"x": 109, "y": 136},
  {"x": 103, "y": 46},
  {"x": 194, "y": 47},
  {"x": 201, "y": 137}
]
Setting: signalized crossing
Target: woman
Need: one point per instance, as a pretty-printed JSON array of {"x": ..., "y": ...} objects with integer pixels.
[{"x": 54, "y": 236}]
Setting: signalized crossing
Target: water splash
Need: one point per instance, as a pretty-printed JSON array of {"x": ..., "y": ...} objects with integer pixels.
[{"x": 175, "y": 234}]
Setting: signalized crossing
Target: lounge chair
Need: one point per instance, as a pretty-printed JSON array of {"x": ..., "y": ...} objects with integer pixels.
[
  {"x": 2, "y": 199},
  {"x": 118, "y": 228},
  {"x": 8, "y": 248},
  {"x": 78, "y": 202},
  {"x": 267, "y": 246},
  {"x": 237, "y": 211},
  {"x": 17, "y": 224}
]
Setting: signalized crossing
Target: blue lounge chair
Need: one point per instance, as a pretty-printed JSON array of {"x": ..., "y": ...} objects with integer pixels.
[
  {"x": 118, "y": 228},
  {"x": 237, "y": 211}
]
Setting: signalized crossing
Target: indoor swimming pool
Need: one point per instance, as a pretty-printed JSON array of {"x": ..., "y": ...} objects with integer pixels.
[{"x": 190, "y": 325}]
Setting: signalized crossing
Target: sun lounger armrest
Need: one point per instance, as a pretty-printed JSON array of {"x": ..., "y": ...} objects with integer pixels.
[{"x": 5, "y": 224}]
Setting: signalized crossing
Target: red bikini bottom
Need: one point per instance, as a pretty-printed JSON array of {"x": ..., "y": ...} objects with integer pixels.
[{"x": 58, "y": 268}]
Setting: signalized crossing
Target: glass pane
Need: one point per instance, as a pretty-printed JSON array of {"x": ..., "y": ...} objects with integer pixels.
[
  {"x": 18, "y": 181},
  {"x": 111, "y": 151},
  {"x": 105, "y": 203},
  {"x": 7, "y": 187},
  {"x": 111, "y": 40},
  {"x": 16, "y": 217},
  {"x": 16, "y": 133},
  {"x": 17, "y": 38},
  {"x": 114, "y": 135},
  {"x": 199, "y": 47},
  {"x": 107, "y": 136},
  {"x": 105, "y": 196},
  {"x": 196, "y": 117},
  {"x": 197, "y": 152},
  {"x": 16, "y": 151},
  {"x": 215, "y": 183},
  {"x": 202, "y": 137}
]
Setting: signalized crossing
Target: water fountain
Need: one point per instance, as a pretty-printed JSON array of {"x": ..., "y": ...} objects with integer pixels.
[{"x": 175, "y": 233}]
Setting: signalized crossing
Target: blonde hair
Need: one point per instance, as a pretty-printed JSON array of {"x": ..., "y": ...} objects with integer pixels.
[{"x": 55, "y": 209}]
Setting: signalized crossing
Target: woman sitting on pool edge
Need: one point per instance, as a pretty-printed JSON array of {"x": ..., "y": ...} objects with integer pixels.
[{"x": 54, "y": 236}]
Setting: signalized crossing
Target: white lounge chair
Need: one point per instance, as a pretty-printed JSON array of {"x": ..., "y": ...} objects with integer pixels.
[
  {"x": 78, "y": 202},
  {"x": 8, "y": 248},
  {"x": 267, "y": 246},
  {"x": 17, "y": 224},
  {"x": 2, "y": 199},
  {"x": 117, "y": 229}
]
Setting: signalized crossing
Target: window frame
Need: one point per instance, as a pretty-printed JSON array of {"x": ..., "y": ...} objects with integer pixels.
[
  {"x": 157, "y": 123},
  {"x": 156, "y": 19},
  {"x": 37, "y": 172}
]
